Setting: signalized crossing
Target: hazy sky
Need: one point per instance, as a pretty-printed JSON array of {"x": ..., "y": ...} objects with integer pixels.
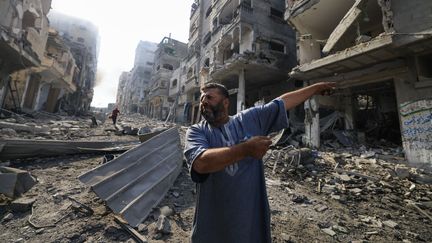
[{"x": 122, "y": 24}]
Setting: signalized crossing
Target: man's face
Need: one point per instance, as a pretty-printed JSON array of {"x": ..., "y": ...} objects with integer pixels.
[{"x": 212, "y": 105}]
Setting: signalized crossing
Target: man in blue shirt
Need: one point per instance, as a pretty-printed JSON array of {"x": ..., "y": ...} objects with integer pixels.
[{"x": 224, "y": 154}]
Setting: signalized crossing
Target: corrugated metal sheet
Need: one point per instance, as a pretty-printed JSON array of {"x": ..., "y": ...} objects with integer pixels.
[
  {"x": 28, "y": 148},
  {"x": 136, "y": 181}
]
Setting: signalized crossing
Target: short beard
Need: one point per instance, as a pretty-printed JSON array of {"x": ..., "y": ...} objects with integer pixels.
[{"x": 214, "y": 114}]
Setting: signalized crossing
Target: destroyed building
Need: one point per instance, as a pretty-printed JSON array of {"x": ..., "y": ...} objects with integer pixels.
[
  {"x": 82, "y": 38},
  {"x": 244, "y": 45},
  {"x": 247, "y": 46},
  {"x": 133, "y": 85},
  {"x": 23, "y": 36},
  {"x": 378, "y": 52},
  {"x": 167, "y": 58},
  {"x": 40, "y": 88},
  {"x": 176, "y": 95},
  {"x": 121, "y": 96}
]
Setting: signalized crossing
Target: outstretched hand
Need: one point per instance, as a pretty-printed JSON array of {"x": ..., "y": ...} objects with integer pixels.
[
  {"x": 257, "y": 146},
  {"x": 325, "y": 88}
]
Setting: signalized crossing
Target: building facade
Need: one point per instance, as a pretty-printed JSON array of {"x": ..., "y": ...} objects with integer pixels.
[
  {"x": 378, "y": 52},
  {"x": 168, "y": 56},
  {"x": 82, "y": 38},
  {"x": 23, "y": 36}
]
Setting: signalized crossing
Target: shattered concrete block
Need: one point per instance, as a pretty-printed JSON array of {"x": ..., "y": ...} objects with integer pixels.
[
  {"x": 163, "y": 225},
  {"x": 402, "y": 173},
  {"x": 15, "y": 182},
  {"x": 22, "y": 204},
  {"x": 390, "y": 224},
  {"x": 329, "y": 231},
  {"x": 340, "y": 229},
  {"x": 8, "y": 216},
  {"x": 166, "y": 211}
]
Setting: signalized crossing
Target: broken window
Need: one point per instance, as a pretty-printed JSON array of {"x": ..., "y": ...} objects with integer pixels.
[
  {"x": 174, "y": 83},
  {"x": 424, "y": 67},
  {"x": 365, "y": 102},
  {"x": 168, "y": 66},
  {"x": 375, "y": 113},
  {"x": 169, "y": 50},
  {"x": 215, "y": 25},
  {"x": 207, "y": 62},
  {"x": 208, "y": 12},
  {"x": 276, "y": 46},
  {"x": 29, "y": 20},
  {"x": 207, "y": 38},
  {"x": 276, "y": 13},
  {"x": 197, "y": 96},
  {"x": 190, "y": 73}
]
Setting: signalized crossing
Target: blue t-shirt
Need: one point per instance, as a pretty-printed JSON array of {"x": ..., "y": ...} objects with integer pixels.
[{"x": 232, "y": 205}]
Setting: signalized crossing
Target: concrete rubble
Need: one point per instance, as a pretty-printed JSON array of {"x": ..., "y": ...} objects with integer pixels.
[
  {"x": 352, "y": 167},
  {"x": 346, "y": 194}
]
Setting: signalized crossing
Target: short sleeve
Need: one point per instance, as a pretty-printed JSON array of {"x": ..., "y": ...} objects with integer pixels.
[
  {"x": 195, "y": 144},
  {"x": 272, "y": 116}
]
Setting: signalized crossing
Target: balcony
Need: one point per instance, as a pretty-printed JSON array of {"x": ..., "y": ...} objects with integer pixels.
[{"x": 192, "y": 84}]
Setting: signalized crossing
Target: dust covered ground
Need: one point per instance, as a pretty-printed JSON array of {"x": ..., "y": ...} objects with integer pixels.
[{"x": 358, "y": 194}]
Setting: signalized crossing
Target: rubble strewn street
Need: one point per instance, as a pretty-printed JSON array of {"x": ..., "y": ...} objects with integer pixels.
[
  {"x": 347, "y": 194},
  {"x": 93, "y": 121}
]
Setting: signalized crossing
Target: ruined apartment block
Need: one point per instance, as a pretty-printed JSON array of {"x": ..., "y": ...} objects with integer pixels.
[
  {"x": 176, "y": 95},
  {"x": 379, "y": 53},
  {"x": 245, "y": 45},
  {"x": 40, "y": 88},
  {"x": 168, "y": 55},
  {"x": 135, "y": 83},
  {"x": 82, "y": 38},
  {"x": 121, "y": 98},
  {"x": 23, "y": 36}
]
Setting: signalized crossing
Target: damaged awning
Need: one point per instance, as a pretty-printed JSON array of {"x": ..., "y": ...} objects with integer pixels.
[
  {"x": 136, "y": 181},
  {"x": 19, "y": 149}
]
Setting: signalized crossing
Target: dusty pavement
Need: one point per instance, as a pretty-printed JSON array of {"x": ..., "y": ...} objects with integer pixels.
[{"x": 342, "y": 195}]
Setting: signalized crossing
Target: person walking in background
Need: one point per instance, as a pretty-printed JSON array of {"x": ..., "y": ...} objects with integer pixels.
[{"x": 114, "y": 115}]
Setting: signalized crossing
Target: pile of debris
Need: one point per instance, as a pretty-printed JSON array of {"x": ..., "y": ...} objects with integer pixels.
[{"x": 355, "y": 195}]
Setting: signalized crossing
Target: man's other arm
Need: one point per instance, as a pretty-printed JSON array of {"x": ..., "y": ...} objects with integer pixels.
[{"x": 216, "y": 159}]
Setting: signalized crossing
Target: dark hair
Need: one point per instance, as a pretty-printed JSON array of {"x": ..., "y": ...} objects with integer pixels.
[{"x": 222, "y": 89}]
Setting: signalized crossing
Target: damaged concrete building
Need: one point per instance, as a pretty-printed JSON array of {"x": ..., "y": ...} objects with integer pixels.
[
  {"x": 168, "y": 56},
  {"x": 40, "y": 88},
  {"x": 378, "y": 52},
  {"x": 247, "y": 46},
  {"x": 23, "y": 36},
  {"x": 121, "y": 95},
  {"x": 82, "y": 38},
  {"x": 134, "y": 84},
  {"x": 244, "y": 45},
  {"x": 177, "y": 97}
]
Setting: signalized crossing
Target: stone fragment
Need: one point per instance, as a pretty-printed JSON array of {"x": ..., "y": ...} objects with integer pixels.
[
  {"x": 322, "y": 208},
  {"x": 329, "y": 231},
  {"x": 166, "y": 211},
  {"x": 390, "y": 224},
  {"x": 163, "y": 225},
  {"x": 8, "y": 217},
  {"x": 22, "y": 204},
  {"x": 340, "y": 229}
]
